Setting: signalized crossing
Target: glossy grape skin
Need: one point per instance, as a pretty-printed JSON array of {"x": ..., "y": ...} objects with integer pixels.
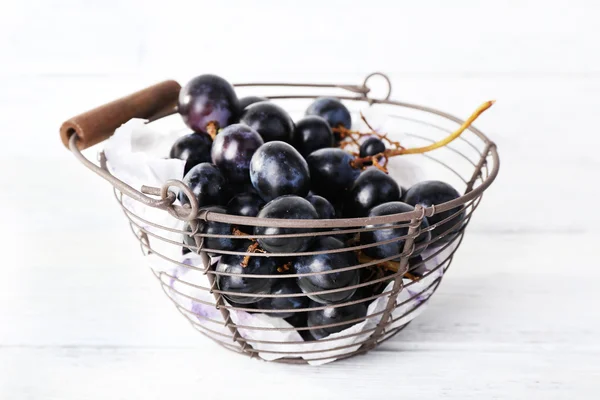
[
  {"x": 332, "y": 110},
  {"x": 232, "y": 151},
  {"x": 213, "y": 228},
  {"x": 324, "y": 208},
  {"x": 206, "y": 99},
  {"x": 270, "y": 121},
  {"x": 331, "y": 173},
  {"x": 286, "y": 286},
  {"x": 372, "y": 188},
  {"x": 245, "y": 204},
  {"x": 312, "y": 133},
  {"x": 249, "y": 100},
  {"x": 277, "y": 169},
  {"x": 240, "y": 284},
  {"x": 285, "y": 207},
  {"x": 323, "y": 263},
  {"x": 383, "y": 234},
  {"x": 333, "y": 315},
  {"x": 371, "y": 147},
  {"x": 428, "y": 193},
  {"x": 208, "y": 185},
  {"x": 193, "y": 148}
]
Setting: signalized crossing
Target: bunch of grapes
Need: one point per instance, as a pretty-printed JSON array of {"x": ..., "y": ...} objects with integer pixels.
[{"x": 248, "y": 157}]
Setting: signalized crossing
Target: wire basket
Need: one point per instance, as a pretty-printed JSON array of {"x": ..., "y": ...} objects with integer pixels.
[{"x": 403, "y": 285}]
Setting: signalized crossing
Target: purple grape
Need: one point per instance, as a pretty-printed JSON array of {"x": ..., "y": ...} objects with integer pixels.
[
  {"x": 277, "y": 169},
  {"x": 208, "y": 185},
  {"x": 322, "y": 205},
  {"x": 269, "y": 120},
  {"x": 285, "y": 207},
  {"x": 333, "y": 315},
  {"x": 334, "y": 112},
  {"x": 385, "y": 232},
  {"x": 232, "y": 151},
  {"x": 430, "y": 193},
  {"x": 208, "y": 99},
  {"x": 193, "y": 148},
  {"x": 312, "y": 133},
  {"x": 331, "y": 173},
  {"x": 324, "y": 263},
  {"x": 372, "y": 188},
  {"x": 285, "y": 286},
  {"x": 249, "y": 100},
  {"x": 371, "y": 147}
]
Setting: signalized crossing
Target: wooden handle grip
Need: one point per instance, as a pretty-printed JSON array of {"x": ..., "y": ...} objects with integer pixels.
[{"x": 94, "y": 126}]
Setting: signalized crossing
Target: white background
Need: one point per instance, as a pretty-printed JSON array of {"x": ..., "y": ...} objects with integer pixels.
[{"x": 515, "y": 318}]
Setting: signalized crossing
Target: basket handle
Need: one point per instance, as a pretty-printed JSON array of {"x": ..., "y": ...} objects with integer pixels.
[{"x": 97, "y": 125}]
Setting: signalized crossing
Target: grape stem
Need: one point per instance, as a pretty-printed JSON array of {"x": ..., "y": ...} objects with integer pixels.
[
  {"x": 253, "y": 248},
  {"x": 398, "y": 150},
  {"x": 392, "y": 266},
  {"x": 211, "y": 129}
]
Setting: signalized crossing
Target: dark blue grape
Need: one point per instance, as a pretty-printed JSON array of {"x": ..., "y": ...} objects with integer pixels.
[
  {"x": 372, "y": 188},
  {"x": 269, "y": 120},
  {"x": 334, "y": 315},
  {"x": 332, "y": 110},
  {"x": 208, "y": 185},
  {"x": 312, "y": 133},
  {"x": 244, "y": 283},
  {"x": 416, "y": 267},
  {"x": 277, "y": 169},
  {"x": 371, "y": 147},
  {"x": 298, "y": 320},
  {"x": 193, "y": 148},
  {"x": 208, "y": 99},
  {"x": 285, "y": 207},
  {"x": 287, "y": 286},
  {"x": 430, "y": 193},
  {"x": 245, "y": 204},
  {"x": 324, "y": 263},
  {"x": 394, "y": 248},
  {"x": 331, "y": 173},
  {"x": 249, "y": 100},
  {"x": 324, "y": 208},
  {"x": 213, "y": 228},
  {"x": 232, "y": 151}
]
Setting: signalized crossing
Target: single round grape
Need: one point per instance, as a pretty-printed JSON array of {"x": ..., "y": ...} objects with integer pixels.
[
  {"x": 193, "y": 148},
  {"x": 324, "y": 208},
  {"x": 207, "y": 183},
  {"x": 285, "y": 207},
  {"x": 331, "y": 173},
  {"x": 298, "y": 320},
  {"x": 394, "y": 248},
  {"x": 277, "y": 169},
  {"x": 312, "y": 133},
  {"x": 249, "y": 100},
  {"x": 208, "y": 99},
  {"x": 371, "y": 147},
  {"x": 269, "y": 120},
  {"x": 212, "y": 228},
  {"x": 244, "y": 283},
  {"x": 324, "y": 263},
  {"x": 232, "y": 151},
  {"x": 334, "y": 315},
  {"x": 333, "y": 111},
  {"x": 372, "y": 188},
  {"x": 246, "y": 204},
  {"x": 287, "y": 286},
  {"x": 430, "y": 193}
]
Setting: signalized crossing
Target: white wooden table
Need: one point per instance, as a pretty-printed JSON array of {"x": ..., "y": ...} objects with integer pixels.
[{"x": 516, "y": 316}]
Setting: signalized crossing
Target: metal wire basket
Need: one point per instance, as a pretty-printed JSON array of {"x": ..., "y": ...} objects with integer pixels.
[{"x": 472, "y": 161}]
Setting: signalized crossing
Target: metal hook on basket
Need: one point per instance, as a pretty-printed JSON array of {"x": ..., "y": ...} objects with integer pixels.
[
  {"x": 179, "y": 213},
  {"x": 387, "y": 80}
]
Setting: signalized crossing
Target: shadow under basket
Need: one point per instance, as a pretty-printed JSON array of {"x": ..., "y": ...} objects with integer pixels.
[{"x": 392, "y": 290}]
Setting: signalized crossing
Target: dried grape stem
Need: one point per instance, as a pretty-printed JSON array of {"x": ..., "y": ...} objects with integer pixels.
[
  {"x": 211, "y": 129},
  {"x": 392, "y": 266},
  {"x": 253, "y": 248}
]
